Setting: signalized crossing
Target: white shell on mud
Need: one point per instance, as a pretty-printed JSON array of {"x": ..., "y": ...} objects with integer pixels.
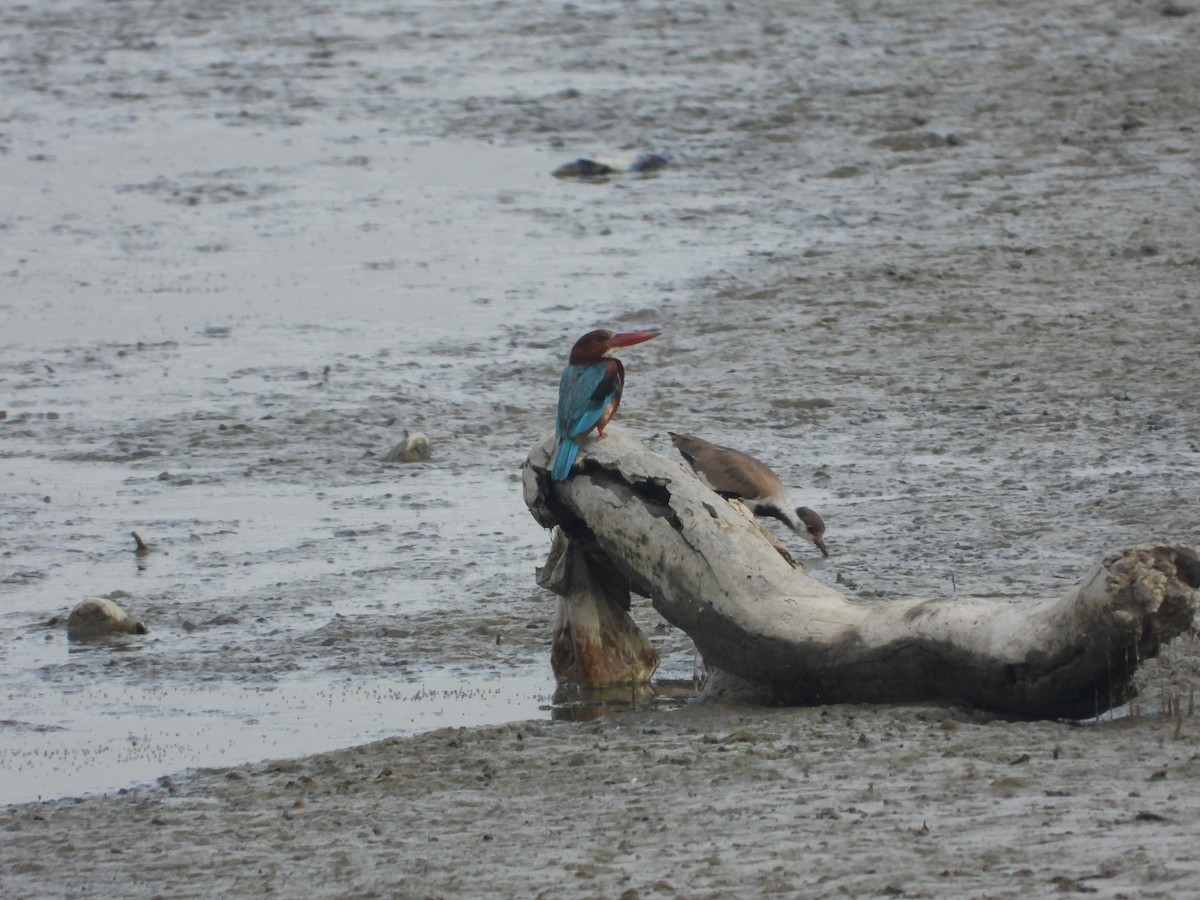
[
  {"x": 96, "y": 617},
  {"x": 414, "y": 448}
]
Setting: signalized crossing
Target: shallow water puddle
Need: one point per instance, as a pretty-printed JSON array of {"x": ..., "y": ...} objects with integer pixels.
[
  {"x": 574, "y": 705},
  {"x": 55, "y": 744},
  {"x": 103, "y": 737}
]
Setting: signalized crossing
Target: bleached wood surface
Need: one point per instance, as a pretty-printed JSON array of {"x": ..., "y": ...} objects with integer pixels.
[{"x": 752, "y": 614}]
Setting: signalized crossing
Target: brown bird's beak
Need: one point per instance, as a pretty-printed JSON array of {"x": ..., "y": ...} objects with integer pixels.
[
  {"x": 629, "y": 338},
  {"x": 821, "y": 546}
]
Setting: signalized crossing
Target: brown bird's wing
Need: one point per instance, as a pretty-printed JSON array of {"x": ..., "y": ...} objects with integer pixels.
[{"x": 728, "y": 471}]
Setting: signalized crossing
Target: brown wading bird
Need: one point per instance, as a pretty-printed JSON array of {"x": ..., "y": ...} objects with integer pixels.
[{"x": 734, "y": 474}]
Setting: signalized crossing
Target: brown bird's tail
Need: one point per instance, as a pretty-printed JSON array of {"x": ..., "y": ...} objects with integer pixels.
[{"x": 686, "y": 444}]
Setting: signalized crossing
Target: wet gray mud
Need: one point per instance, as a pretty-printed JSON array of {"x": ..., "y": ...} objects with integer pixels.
[{"x": 936, "y": 263}]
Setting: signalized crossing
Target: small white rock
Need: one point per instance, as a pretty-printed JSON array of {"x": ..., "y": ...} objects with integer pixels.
[
  {"x": 97, "y": 617},
  {"x": 414, "y": 448}
]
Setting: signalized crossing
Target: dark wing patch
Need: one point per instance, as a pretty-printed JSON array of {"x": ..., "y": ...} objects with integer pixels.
[{"x": 611, "y": 385}]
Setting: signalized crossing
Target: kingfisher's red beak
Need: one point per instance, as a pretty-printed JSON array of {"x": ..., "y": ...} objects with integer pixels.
[{"x": 629, "y": 338}]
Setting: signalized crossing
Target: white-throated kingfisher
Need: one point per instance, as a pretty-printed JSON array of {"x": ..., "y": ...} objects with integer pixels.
[
  {"x": 734, "y": 474},
  {"x": 589, "y": 391}
]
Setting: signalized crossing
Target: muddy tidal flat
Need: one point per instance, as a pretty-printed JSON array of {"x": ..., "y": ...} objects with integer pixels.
[
  {"x": 938, "y": 264},
  {"x": 841, "y": 801}
]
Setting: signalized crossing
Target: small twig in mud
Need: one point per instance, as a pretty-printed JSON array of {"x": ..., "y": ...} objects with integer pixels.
[
  {"x": 141, "y": 549},
  {"x": 1135, "y": 708},
  {"x": 1164, "y": 684},
  {"x": 1110, "y": 694}
]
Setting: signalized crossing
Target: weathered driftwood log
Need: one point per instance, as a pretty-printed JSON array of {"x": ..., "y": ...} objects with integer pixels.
[
  {"x": 595, "y": 644},
  {"x": 643, "y": 520}
]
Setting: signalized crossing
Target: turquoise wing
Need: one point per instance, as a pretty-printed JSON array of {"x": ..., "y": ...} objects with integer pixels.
[{"x": 584, "y": 393}]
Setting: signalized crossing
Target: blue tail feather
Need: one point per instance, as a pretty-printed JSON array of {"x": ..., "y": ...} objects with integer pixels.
[{"x": 564, "y": 458}]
